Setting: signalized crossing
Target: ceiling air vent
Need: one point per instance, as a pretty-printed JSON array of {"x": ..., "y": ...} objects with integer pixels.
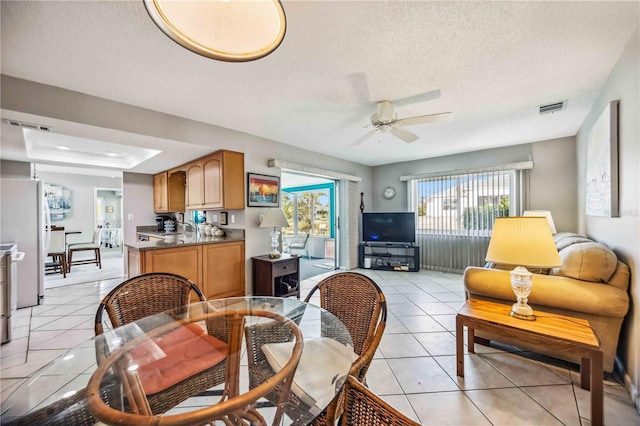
[
  {"x": 24, "y": 125},
  {"x": 557, "y": 106}
]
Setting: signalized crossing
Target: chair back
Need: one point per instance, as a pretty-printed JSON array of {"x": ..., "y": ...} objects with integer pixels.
[
  {"x": 363, "y": 407},
  {"x": 299, "y": 241},
  {"x": 97, "y": 235},
  {"x": 145, "y": 295},
  {"x": 57, "y": 242},
  {"x": 360, "y": 304}
]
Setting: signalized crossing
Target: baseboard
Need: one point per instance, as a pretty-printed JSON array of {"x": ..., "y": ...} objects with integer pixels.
[{"x": 632, "y": 388}]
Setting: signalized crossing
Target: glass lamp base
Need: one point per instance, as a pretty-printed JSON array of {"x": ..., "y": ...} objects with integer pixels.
[
  {"x": 275, "y": 254},
  {"x": 522, "y": 311}
]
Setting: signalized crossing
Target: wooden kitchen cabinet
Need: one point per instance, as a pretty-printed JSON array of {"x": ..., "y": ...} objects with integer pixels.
[
  {"x": 195, "y": 186},
  {"x": 216, "y": 182},
  {"x": 169, "y": 192},
  {"x": 217, "y": 269},
  {"x": 185, "y": 261},
  {"x": 223, "y": 270}
]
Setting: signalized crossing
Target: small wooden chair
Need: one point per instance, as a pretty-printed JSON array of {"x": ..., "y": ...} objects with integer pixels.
[{"x": 94, "y": 246}]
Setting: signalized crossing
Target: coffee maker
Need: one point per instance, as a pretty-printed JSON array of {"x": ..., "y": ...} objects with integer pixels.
[{"x": 160, "y": 222}]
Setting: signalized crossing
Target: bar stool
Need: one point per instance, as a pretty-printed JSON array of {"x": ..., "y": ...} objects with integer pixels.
[{"x": 90, "y": 246}]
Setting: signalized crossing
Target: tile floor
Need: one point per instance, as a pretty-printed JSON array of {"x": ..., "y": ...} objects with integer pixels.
[{"x": 414, "y": 368}]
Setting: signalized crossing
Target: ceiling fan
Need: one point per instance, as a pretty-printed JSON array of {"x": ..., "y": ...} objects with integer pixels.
[{"x": 385, "y": 119}]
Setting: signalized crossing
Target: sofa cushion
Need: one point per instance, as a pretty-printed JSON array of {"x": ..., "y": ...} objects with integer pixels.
[
  {"x": 588, "y": 261},
  {"x": 565, "y": 239}
]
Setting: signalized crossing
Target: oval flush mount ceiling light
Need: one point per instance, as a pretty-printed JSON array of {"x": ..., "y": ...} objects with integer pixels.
[{"x": 232, "y": 30}]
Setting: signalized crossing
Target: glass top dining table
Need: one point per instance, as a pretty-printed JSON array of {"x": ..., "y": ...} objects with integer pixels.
[{"x": 245, "y": 360}]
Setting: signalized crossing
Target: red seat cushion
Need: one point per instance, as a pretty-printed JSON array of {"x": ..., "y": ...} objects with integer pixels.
[{"x": 173, "y": 357}]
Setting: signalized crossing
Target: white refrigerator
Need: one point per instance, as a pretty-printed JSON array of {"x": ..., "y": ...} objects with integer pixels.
[{"x": 24, "y": 220}]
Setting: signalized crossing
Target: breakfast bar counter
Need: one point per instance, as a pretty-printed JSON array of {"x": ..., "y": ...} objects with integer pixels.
[
  {"x": 162, "y": 240},
  {"x": 215, "y": 264}
]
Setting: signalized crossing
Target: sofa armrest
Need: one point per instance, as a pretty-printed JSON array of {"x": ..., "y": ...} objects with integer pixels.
[{"x": 547, "y": 290}]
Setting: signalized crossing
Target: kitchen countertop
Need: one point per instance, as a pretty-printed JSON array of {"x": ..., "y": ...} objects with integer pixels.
[{"x": 174, "y": 239}]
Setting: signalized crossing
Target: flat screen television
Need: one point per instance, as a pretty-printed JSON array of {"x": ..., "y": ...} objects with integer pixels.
[{"x": 398, "y": 227}]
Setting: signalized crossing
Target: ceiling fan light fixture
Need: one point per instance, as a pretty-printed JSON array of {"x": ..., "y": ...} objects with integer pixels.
[{"x": 232, "y": 30}]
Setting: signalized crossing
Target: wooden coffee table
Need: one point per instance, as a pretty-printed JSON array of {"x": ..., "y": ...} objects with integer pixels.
[{"x": 555, "y": 331}]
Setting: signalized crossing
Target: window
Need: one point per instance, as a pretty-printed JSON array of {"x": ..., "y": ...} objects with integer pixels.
[
  {"x": 309, "y": 210},
  {"x": 455, "y": 214}
]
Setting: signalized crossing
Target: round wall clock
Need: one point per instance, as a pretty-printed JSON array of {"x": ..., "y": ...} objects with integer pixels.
[{"x": 389, "y": 192}]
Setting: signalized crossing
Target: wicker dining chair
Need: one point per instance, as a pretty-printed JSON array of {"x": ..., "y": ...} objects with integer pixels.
[
  {"x": 363, "y": 407},
  {"x": 360, "y": 304},
  {"x": 149, "y": 294},
  {"x": 235, "y": 406}
]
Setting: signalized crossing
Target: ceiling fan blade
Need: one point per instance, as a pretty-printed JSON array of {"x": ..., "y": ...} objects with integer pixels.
[
  {"x": 406, "y": 136},
  {"x": 420, "y": 97},
  {"x": 385, "y": 111},
  {"x": 425, "y": 119},
  {"x": 364, "y": 137}
]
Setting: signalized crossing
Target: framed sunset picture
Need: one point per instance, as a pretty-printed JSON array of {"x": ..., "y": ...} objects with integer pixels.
[{"x": 263, "y": 190}]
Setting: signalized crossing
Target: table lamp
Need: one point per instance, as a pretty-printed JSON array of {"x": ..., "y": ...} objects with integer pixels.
[
  {"x": 275, "y": 219},
  {"x": 522, "y": 241},
  {"x": 542, "y": 213}
]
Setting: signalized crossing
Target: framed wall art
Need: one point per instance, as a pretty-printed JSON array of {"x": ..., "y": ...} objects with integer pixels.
[
  {"x": 223, "y": 218},
  {"x": 59, "y": 200},
  {"x": 602, "y": 164},
  {"x": 263, "y": 190}
]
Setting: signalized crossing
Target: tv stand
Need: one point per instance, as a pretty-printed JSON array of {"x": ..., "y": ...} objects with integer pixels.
[{"x": 397, "y": 256}]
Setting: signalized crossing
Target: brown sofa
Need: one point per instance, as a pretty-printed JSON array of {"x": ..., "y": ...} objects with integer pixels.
[{"x": 591, "y": 284}]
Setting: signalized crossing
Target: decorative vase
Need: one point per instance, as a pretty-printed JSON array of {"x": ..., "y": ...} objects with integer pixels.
[
  {"x": 218, "y": 232},
  {"x": 207, "y": 229}
]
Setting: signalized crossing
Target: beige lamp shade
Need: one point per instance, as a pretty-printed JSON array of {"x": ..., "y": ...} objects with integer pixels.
[
  {"x": 233, "y": 31},
  {"x": 523, "y": 241},
  {"x": 274, "y": 218},
  {"x": 542, "y": 213}
]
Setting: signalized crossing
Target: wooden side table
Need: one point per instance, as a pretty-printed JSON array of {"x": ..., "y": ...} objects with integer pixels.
[
  {"x": 548, "y": 330},
  {"x": 276, "y": 277}
]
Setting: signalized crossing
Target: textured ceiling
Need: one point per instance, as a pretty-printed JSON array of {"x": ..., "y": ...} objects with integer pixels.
[{"x": 494, "y": 62}]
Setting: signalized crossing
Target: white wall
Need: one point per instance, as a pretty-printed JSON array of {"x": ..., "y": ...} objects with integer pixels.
[
  {"x": 552, "y": 184},
  {"x": 15, "y": 169},
  {"x": 82, "y": 200},
  {"x": 389, "y": 174},
  {"x": 137, "y": 204},
  {"x": 552, "y": 180},
  {"x": 48, "y": 101},
  {"x": 621, "y": 234}
]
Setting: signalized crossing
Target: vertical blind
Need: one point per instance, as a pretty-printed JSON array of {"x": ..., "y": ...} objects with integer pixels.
[{"x": 455, "y": 214}]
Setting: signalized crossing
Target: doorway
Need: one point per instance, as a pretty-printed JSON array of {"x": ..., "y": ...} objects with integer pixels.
[{"x": 310, "y": 205}]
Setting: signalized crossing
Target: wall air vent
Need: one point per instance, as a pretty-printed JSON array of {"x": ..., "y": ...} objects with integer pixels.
[
  {"x": 557, "y": 106},
  {"x": 24, "y": 125}
]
